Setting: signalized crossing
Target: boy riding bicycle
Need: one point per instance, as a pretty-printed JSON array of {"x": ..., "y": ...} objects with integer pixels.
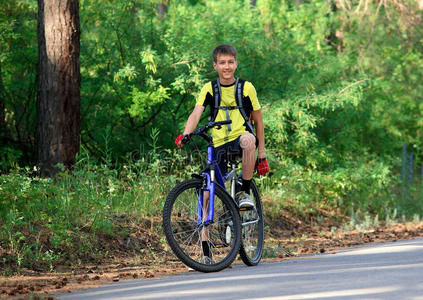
[{"x": 232, "y": 99}]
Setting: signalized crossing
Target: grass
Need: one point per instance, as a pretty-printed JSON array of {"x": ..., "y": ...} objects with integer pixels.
[{"x": 66, "y": 220}]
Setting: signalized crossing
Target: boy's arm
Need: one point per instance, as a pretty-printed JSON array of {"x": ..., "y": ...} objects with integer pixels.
[
  {"x": 193, "y": 119},
  {"x": 192, "y": 123},
  {"x": 258, "y": 122}
]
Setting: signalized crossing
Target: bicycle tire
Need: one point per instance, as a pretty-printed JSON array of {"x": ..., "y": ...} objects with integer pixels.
[
  {"x": 252, "y": 235},
  {"x": 185, "y": 237}
]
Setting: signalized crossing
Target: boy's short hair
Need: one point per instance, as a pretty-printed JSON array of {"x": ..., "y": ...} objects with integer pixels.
[{"x": 223, "y": 49}]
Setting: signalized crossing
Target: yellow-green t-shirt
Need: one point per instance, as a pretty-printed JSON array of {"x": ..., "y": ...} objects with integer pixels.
[{"x": 250, "y": 102}]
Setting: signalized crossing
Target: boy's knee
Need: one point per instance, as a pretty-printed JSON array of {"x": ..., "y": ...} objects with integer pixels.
[{"x": 247, "y": 141}]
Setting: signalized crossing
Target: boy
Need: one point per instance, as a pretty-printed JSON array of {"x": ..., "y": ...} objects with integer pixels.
[{"x": 239, "y": 134}]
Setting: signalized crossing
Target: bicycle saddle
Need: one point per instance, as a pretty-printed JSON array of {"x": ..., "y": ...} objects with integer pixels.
[{"x": 234, "y": 155}]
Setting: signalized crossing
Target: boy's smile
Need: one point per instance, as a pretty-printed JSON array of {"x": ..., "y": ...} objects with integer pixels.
[{"x": 225, "y": 66}]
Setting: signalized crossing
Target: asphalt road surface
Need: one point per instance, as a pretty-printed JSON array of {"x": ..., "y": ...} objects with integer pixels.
[{"x": 375, "y": 271}]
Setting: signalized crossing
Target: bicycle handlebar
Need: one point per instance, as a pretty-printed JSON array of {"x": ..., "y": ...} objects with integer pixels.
[{"x": 202, "y": 131}]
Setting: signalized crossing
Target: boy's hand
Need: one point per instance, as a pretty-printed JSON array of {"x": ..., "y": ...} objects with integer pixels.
[
  {"x": 261, "y": 166},
  {"x": 178, "y": 141}
]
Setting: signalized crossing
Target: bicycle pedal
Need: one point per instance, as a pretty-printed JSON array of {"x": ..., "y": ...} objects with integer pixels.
[{"x": 246, "y": 208}]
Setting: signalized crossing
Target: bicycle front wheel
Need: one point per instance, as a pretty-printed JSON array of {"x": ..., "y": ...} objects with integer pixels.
[
  {"x": 252, "y": 229},
  {"x": 205, "y": 248}
]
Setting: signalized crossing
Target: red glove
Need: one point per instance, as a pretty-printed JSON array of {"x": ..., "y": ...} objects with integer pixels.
[
  {"x": 261, "y": 166},
  {"x": 178, "y": 139}
]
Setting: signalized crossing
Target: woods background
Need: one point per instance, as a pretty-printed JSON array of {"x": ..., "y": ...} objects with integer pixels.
[{"x": 339, "y": 82}]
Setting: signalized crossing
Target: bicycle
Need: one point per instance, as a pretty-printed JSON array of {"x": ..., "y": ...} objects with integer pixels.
[{"x": 201, "y": 220}]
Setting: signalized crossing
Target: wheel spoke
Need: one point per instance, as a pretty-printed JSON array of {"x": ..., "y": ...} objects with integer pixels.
[
  {"x": 187, "y": 236},
  {"x": 252, "y": 234}
]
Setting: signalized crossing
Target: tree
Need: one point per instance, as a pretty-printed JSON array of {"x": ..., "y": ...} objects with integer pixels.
[
  {"x": 162, "y": 8},
  {"x": 2, "y": 114},
  {"x": 59, "y": 80}
]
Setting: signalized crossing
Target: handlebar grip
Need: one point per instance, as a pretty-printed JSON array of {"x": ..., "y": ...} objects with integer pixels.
[
  {"x": 226, "y": 122},
  {"x": 217, "y": 124},
  {"x": 186, "y": 139}
]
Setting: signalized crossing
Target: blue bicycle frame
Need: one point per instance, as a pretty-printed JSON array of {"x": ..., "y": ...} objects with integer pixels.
[{"x": 214, "y": 176}]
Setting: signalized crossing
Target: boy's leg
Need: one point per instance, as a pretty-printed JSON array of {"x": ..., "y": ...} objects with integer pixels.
[
  {"x": 247, "y": 142},
  {"x": 204, "y": 232},
  {"x": 205, "y": 244}
]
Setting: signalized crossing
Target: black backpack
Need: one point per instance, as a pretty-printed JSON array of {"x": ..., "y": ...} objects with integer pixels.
[{"x": 243, "y": 109}]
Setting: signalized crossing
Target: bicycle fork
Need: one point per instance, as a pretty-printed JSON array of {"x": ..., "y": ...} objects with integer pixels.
[
  {"x": 209, "y": 183},
  {"x": 209, "y": 199}
]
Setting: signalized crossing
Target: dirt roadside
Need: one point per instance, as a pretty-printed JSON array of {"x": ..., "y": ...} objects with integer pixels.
[{"x": 279, "y": 246}]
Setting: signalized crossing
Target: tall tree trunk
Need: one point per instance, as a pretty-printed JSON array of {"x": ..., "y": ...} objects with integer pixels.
[
  {"x": 59, "y": 80},
  {"x": 162, "y": 8},
  {"x": 336, "y": 35},
  {"x": 298, "y": 3},
  {"x": 2, "y": 110}
]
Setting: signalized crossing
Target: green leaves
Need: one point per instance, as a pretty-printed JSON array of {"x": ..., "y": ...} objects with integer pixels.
[
  {"x": 336, "y": 82},
  {"x": 147, "y": 58},
  {"x": 340, "y": 88},
  {"x": 127, "y": 72},
  {"x": 143, "y": 102}
]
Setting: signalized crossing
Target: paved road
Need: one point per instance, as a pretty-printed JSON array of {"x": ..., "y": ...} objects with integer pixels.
[{"x": 378, "y": 271}]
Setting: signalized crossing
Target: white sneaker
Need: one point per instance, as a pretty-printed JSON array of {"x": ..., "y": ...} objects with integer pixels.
[{"x": 244, "y": 200}]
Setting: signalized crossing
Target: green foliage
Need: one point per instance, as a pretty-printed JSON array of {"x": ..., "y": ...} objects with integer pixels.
[
  {"x": 144, "y": 101},
  {"x": 44, "y": 220},
  {"x": 323, "y": 68},
  {"x": 18, "y": 61},
  {"x": 339, "y": 85}
]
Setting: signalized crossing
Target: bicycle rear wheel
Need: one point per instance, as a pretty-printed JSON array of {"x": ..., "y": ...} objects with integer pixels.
[
  {"x": 201, "y": 247},
  {"x": 252, "y": 229}
]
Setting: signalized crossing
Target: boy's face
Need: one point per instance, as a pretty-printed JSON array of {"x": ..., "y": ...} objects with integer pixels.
[{"x": 225, "y": 66}]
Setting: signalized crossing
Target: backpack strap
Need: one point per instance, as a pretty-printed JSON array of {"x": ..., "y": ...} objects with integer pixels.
[
  {"x": 239, "y": 88},
  {"x": 214, "y": 108}
]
